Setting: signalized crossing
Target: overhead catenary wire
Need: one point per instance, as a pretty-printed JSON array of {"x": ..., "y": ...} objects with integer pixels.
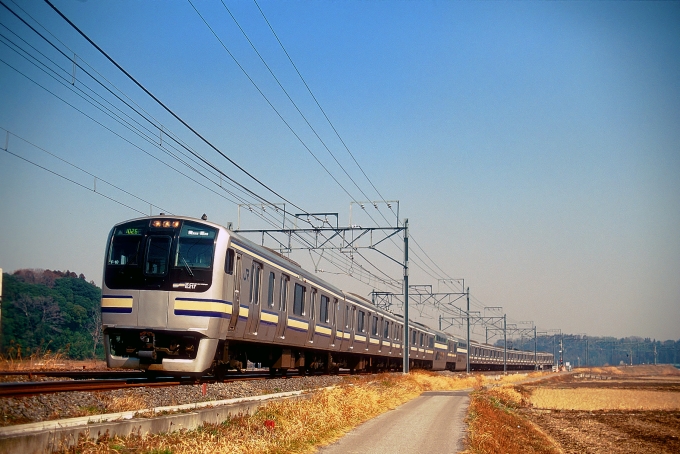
[
  {"x": 374, "y": 276},
  {"x": 173, "y": 114}
]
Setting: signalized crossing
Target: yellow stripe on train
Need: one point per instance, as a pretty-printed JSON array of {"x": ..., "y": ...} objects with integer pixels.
[
  {"x": 298, "y": 324},
  {"x": 202, "y": 306},
  {"x": 117, "y": 302},
  {"x": 322, "y": 330}
]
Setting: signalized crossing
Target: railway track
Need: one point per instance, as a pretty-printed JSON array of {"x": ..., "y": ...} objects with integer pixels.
[{"x": 84, "y": 382}]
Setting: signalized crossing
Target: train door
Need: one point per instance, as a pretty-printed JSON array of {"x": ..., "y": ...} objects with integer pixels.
[
  {"x": 283, "y": 307},
  {"x": 385, "y": 341},
  {"x": 269, "y": 317},
  {"x": 254, "y": 300},
  {"x": 152, "y": 307},
  {"x": 333, "y": 319},
  {"x": 236, "y": 304},
  {"x": 312, "y": 316}
]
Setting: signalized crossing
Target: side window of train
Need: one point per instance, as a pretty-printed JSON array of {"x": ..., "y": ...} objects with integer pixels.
[
  {"x": 270, "y": 293},
  {"x": 431, "y": 342},
  {"x": 336, "y": 308},
  {"x": 299, "y": 300},
  {"x": 386, "y": 330},
  {"x": 360, "y": 321},
  {"x": 283, "y": 300},
  {"x": 323, "y": 309},
  {"x": 229, "y": 262},
  {"x": 421, "y": 339},
  {"x": 374, "y": 326},
  {"x": 347, "y": 316},
  {"x": 256, "y": 273},
  {"x": 413, "y": 337}
]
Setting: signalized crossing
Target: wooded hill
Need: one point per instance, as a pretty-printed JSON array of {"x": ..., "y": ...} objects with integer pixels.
[{"x": 47, "y": 311}]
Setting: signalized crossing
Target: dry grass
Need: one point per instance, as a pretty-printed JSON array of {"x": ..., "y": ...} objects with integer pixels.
[
  {"x": 494, "y": 426},
  {"x": 46, "y": 360},
  {"x": 589, "y": 399},
  {"x": 646, "y": 370},
  {"x": 297, "y": 426},
  {"x": 125, "y": 403}
]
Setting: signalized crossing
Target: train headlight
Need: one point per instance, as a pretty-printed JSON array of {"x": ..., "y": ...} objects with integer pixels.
[{"x": 165, "y": 223}]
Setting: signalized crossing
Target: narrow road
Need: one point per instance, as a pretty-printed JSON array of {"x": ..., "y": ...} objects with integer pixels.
[{"x": 432, "y": 423}]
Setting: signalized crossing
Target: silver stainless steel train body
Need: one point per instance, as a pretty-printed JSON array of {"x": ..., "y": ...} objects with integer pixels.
[{"x": 185, "y": 296}]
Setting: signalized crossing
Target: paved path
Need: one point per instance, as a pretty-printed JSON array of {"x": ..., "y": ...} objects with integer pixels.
[{"x": 432, "y": 423}]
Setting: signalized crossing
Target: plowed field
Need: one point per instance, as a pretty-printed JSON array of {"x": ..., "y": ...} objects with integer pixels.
[{"x": 609, "y": 410}]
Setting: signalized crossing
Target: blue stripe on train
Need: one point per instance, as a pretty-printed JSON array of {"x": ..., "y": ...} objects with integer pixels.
[
  {"x": 117, "y": 310},
  {"x": 202, "y": 313}
]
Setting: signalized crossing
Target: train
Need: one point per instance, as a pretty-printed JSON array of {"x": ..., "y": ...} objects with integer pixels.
[{"x": 185, "y": 296}]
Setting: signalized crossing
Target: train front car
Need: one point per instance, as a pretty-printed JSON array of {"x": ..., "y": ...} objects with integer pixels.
[{"x": 162, "y": 303}]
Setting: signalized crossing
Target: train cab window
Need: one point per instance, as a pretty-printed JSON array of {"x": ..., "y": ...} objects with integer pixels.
[
  {"x": 157, "y": 255},
  {"x": 125, "y": 247},
  {"x": 386, "y": 330},
  {"x": 374, "y": 326},
  {"x": 299, "y": 300},
  {"x": 283, "y": 300},
  {"x": 229, "y": 262},
  {"x": 323, "y": 309},
  {"x": 256, "y": 273},
  {"x": 270, "y": 293},
  {"x": 360, "y": 321}
]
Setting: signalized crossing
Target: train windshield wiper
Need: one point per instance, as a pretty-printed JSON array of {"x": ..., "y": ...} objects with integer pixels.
[{"x": 186, "y": 265}]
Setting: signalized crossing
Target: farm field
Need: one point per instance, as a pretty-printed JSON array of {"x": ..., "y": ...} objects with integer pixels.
[{"x": 612, "y": 410}]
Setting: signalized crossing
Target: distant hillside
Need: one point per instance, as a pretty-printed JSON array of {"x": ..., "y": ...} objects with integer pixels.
[{"x": 56, "y": 311}]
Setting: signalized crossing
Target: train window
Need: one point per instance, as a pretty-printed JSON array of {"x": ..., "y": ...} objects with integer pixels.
[
  {"x": 323, "y": 309},
  {"x": 229, "y": 262},
  {"x": 125, "y": 248},
  {"x": 256, "y": 273},
  {"x": 157, "y": 255},
  {"x": 284, "y": 293},
  {"x": 386, "y": 330},
  {"x": 431, "y": 342},
  {"x": 421, "y": 339},
  {"x": 270, "y": 294},
  {"x": 299, "y": 300},
  {"x": 360, "y": 321},
  {"x": 195, "y": 247},
  {"x": 414, "y": 337},
  {"x": 346, "y": 316},
  {"x": 374, "y": 326}
]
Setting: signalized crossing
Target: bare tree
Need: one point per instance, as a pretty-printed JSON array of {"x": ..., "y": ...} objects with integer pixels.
[
  {"x": 94, "y": 328},
  {"x": 42, "y": 313}
]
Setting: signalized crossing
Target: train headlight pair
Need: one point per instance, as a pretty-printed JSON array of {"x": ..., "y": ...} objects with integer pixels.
[{"x": 165, "y": 223}]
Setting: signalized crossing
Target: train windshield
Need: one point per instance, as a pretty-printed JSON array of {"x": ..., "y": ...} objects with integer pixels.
[{"x": 161, "y": 254}]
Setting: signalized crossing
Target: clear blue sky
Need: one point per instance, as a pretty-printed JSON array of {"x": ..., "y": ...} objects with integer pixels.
[{"x": 534, "y": 147}]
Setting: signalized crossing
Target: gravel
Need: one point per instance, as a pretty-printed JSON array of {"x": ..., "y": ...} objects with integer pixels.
[{"x": 21, "y": 410}]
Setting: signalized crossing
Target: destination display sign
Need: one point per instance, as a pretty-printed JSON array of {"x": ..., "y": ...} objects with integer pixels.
[{"x": 197, "y": 231}]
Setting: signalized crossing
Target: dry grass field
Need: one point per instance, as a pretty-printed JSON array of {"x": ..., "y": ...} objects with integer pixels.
[
  {"x": 598, "y": 410},
  {"x": 609, "y": 410}
]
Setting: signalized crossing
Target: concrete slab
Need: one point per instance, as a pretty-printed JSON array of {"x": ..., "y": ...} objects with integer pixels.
[{"x": 48, "y": 436}]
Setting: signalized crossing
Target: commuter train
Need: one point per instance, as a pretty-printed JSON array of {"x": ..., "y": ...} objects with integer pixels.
[{"x": 184, "y": 296}]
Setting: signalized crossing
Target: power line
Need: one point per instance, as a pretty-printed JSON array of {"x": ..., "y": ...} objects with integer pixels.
[{"x": 171, "y": 112}]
